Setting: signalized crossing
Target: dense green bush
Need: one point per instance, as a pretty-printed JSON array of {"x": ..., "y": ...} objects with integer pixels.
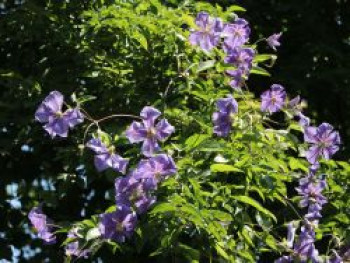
[{"x": 231, "y": 198}]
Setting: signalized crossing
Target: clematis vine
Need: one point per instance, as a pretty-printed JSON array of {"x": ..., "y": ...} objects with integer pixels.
[
  {"x": 148, "y": 131},
  {"x": 207, "y": 36},
  {"x": 57, "y": 122}
]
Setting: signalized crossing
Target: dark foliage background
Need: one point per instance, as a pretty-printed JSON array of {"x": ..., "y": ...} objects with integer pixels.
[{"x": 40, "y": 52}]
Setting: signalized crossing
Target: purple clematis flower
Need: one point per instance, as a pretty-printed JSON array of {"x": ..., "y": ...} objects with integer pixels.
[
  {"x": 273, "y": 100},
  {"x": 236, "y": 34},
  {"x": 324, "y": 140},
  {"x": 242, "y": 58},
  {"x": 156, "y": 169},
  {"x": 208, "y": 34},
  {"x": 311, "y": 191},
  {"x": 57, "y": 123},
  {"x": 149, "y": 132},
  {"x": 223, "y": 118},
  {"x": 314, "y": 212},
  {"x": 237, "y": 78},
  {"x": 274, "y": 40},
  {"x": 72, "y": 248},
  {"x": 134, "y": 192},
  {"x": 118, "y": 225},
  {"x": 106, "y": 157},
  {"x": 43, "y": 225}
]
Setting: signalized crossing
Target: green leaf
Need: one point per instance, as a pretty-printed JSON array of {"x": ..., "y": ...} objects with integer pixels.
[
  {"x": 140, "y": 38},
  {"x": 163, "y": 208},
  {"x": 196, "y": 140},
  {"x": 204, "y": 65},
  {"x": 235, "y": 8},
  {"x": 224, "y": 168},
  {"x": 296, "y": 164},
  {"x": 222, "y": 252},
  {"x": 264, "y": 57},
  {"x": 92, "y": 233},
  {"x": 259, "y": 71},
  {"x": 252, "y": 202}
]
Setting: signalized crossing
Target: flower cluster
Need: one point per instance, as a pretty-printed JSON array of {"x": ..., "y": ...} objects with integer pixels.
[
  {"x": 134, "y": 196},
  {"x": 134, "y": 192},
  {"x": 323, "y": 139},
  {"x": 324, "y": 143},
  {"x": 235, "y": 36}
]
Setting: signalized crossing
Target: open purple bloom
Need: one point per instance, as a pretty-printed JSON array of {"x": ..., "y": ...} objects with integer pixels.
[
  {"x": 148, "y": 131},
  {"x": 134, "y": 192},
  {"x": 208, "y": 34},
  {"x": 72, "y": 248},
  {"x": 57, "y": 122},
  {"x": 106, "y": 157},
  {"x": 237, "y": 78},
  {"x": 324, "y": 142},
  {"x": 274, "y": 40},
  {"x": 156, "y": 169},
  {"x": 273, "y": 100},
  {"x": 43, "y": 225},
  {"x": 118, "y": 225},
  {"x": 236, "y": 34},
  {"x": 242, "y": 58},
  {"x": 223, "y": 118},
  {"x": 311, "y": 191}
]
